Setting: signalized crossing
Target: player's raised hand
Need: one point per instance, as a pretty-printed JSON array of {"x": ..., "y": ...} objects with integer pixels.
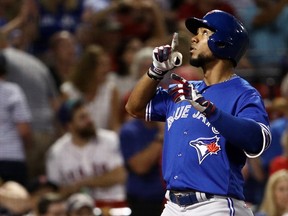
[
  {"x": 186, "y": 91},
  {"x": 165, "y": 58}
]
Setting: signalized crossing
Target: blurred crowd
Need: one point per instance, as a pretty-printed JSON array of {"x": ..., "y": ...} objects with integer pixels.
[{"x": 67, "y": 146}]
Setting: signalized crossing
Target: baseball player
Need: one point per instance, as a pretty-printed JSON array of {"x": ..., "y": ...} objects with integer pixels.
[{"x": 212, "y": 125}]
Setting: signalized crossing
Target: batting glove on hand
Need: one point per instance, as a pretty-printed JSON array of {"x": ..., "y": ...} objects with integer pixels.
[
  {"x": 164, "y": 59},
  {"x": 186, "y": 91}
]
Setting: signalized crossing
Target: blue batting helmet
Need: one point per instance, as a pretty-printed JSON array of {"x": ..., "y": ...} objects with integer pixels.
[{"x": 230, "y": 39}]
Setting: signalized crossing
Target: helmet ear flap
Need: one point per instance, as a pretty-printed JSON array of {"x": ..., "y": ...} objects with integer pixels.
[{"x": 221, "y": 46}]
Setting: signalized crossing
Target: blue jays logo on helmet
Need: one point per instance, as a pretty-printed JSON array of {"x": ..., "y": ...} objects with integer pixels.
[
  {"x": 230, "y": 39},
  {"x": 206, "y": 147}
]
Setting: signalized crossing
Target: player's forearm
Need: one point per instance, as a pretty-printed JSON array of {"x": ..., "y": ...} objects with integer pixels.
[
  {"x": 243, "y": 133},
  {"x": 113, "y": 177},
  {"x": 142, "y": 93}
]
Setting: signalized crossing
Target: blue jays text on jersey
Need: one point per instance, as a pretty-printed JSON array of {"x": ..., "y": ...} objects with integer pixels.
[{"x": 196, "y": 154}]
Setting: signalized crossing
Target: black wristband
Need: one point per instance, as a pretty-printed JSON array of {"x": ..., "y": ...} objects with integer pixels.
[{"x": 153, "y": 77}]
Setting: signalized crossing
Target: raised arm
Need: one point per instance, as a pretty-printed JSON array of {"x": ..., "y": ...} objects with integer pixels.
[
  {"x": 142, "y": 93},
  {"x": 164, "y": 59}
]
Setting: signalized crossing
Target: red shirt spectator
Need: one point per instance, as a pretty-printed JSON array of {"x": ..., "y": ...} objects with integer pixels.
[
  {"x": 200, "y": 8},
  {"x": 278, "y": 163},
  {"x": 281, "y": 162}
]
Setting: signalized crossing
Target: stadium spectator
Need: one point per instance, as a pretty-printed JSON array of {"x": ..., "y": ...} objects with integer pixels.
[
  {"x": 278, "y": 125},
  {"x": 15, "y": 130},
  {"x": 141, "y": 145},
  {"x": 14, "y": 199},
  {"x": 87, "y": 158},
  {"x": 255, "y": 179},
  {"x": 62, "y": 56},
  {"x": 199, "y": 8},
  {"x": 125, "y": 53},
  {"x": 33, "y": 77},
  {"x": 281, "y": 161},
  {"x": 80, "y": 204},
  {"x": 276, "y": 195},
  {"x": 264, "y": 20},
  {"x": 38, "y": 187},
  {"x": 17, "y": 22},
  {"x": 89, "y": 81},
  {"x": 284, "y": 85},
  {"x": 127, "y": 19},
  {"x": 51, "y": 204},
  {"x": 54, "y": 16}
]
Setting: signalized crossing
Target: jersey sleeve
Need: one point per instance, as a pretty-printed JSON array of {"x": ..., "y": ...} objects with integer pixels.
[
  {"x": 156, "y": 109},
  {"x": 249, "y": 128},
  {"x": 253, "y": 108}
]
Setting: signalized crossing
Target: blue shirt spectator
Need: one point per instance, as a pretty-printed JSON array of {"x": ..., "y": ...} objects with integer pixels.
[
  {"x": 268, "y": 36},
  {"x": 141, "y": 148},
  {"x": 54, "y": 17}
]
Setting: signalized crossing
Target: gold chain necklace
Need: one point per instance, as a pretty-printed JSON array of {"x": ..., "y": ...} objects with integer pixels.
[{"x": 230, "y": 77}]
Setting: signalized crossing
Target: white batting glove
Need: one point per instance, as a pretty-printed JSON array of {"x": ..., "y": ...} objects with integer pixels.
[
  {"x": 186, "y": 91},
  {"x": 164, "y": 59}
]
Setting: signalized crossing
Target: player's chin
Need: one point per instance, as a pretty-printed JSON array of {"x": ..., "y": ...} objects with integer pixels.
[{"x": 195, "y": 62}]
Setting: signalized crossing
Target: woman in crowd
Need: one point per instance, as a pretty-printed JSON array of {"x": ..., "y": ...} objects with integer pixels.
[{"x": 276, "y": 195}]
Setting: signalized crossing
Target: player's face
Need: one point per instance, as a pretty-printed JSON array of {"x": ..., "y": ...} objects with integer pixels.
[
  {"x": 281, "y": 193},
  {"x": 199, "y": 50},
  {"x": 82, "y": 124}
]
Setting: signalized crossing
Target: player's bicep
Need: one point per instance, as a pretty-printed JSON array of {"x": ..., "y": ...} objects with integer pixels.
[{"x": 156, "y": 109}]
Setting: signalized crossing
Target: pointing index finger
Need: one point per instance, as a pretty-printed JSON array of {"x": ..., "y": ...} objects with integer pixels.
[
  {"x": 175, "y": 41},
  {"x": 178, "y": 78}
]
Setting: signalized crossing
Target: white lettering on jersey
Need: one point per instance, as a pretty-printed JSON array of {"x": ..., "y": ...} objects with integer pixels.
[
  {"x": 200, "y": 116},
  {"x": 181, "y": 112},
  {"x": 170, "y": 121}
]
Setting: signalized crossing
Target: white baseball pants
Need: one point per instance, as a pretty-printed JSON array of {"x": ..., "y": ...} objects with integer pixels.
[{"x": 217, "y": 206}]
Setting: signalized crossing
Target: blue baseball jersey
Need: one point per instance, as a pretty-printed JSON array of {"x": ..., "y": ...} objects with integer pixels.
[{"x": 196, "y": 156}]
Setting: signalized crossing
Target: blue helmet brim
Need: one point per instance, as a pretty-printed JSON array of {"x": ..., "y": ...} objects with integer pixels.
[{"x": 193, "y": 23}]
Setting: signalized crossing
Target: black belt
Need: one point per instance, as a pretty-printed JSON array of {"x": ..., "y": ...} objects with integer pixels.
[{"x": 188, "y": 198}]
